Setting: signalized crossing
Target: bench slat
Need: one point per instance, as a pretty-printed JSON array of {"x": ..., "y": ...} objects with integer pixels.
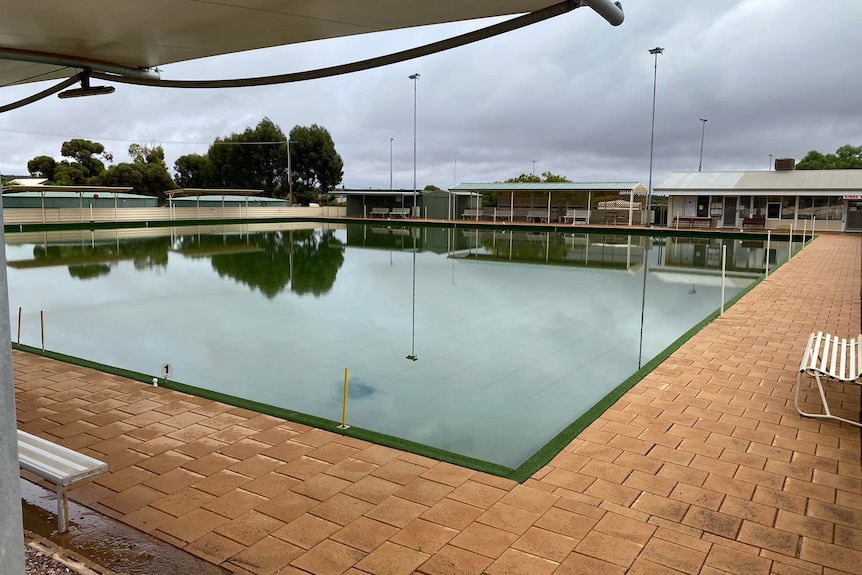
[{"x": 57, "y": 464}]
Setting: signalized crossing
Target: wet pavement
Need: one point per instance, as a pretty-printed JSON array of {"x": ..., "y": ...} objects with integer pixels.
[
  {"x": 703, "y": 467},
  {"x": 105, "y": 541}
]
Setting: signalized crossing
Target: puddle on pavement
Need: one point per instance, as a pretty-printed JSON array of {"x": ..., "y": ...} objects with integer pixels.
[{"x": 105, "y": 541}]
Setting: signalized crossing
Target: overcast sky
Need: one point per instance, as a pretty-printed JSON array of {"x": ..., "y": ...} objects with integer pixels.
[{"x": 573, "y": 94}]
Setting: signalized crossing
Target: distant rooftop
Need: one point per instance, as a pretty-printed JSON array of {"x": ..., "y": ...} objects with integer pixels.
[
  {"x": 637, "y": 187},
  {"x": 802, "y": 181}
]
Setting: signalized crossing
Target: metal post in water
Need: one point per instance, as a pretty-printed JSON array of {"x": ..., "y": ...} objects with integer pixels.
[
  {"x": 344, "y": 405},
  {"x": 42, "y": 321},
  {"x": 804, "y": 231},
  {"x": 724, "y": 273},
  {"x": 768, "y": 247},
  {"x": 19, "y": 324}
]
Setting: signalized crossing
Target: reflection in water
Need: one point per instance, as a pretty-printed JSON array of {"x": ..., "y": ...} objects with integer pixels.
[
  {"x": 308, "y": 260},
  {"x": 535, "y": 329}
]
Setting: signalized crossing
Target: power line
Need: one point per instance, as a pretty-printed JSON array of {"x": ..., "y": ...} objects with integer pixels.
[{"x": 135, "y": 141}]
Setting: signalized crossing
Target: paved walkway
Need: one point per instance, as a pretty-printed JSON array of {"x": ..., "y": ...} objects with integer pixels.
[{"x": 703, "y": 467}]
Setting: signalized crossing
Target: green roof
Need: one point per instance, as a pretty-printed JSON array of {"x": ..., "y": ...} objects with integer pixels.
[
  {"x": 552, "y": 186},
  {"x": 11, "y": 193}
]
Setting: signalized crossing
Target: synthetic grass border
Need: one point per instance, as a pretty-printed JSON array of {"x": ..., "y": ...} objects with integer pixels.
[{"x": 520, "y": 474}]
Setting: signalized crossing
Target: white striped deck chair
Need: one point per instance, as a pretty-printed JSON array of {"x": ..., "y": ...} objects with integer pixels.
[{"x": 831, "y": 357}]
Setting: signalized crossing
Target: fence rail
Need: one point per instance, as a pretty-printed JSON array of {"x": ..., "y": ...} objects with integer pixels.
[{"x": 16, "y": 216}]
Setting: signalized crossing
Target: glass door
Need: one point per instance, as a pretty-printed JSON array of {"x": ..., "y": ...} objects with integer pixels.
[{"x": 729, "y": 219}]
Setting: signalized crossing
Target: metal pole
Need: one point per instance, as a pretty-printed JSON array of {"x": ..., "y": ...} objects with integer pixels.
[
  {"x": 289, "y": 173},
  {"x": 724, "y": 272},
  {"x": 768, "y": 247},
  {"x": 654, "y": 51},
  {"x": 11, "y": 525},
  {"x": 702, "y": 132},
  {"x": 390, "y": 162},
  {"x": 769, "y": 167},
  {"x": 415, "y": 78},
  {"x": 534, "y": 167}
]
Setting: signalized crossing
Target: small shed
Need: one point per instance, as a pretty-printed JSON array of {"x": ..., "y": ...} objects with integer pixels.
[{"x": 360, "y": 203}]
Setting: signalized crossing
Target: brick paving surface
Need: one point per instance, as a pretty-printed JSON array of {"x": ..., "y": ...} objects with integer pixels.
[{"x": 704, "y": 467}]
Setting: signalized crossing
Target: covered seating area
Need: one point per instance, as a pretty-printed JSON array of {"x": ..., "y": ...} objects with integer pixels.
[{"x": 564, "y": 202}]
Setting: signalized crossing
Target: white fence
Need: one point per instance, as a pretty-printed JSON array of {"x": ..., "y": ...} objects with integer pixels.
[{"x": 17, "y": 216}]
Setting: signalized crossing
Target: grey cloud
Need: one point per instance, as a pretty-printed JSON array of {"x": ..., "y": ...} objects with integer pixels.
[{"x": 573, "y": 93}]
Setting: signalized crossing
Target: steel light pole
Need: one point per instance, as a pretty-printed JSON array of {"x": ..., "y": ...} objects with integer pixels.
[
  {"x": 702, "y": 132},
  {"x": 769, "y": 168},
  {"x": 655, "y": 52},
  {"x": 289, "y": 172},
  {"x": 390, "y": 162},
  {"x": 415, "y": 78},
  {"x": 534, "y": 167}
]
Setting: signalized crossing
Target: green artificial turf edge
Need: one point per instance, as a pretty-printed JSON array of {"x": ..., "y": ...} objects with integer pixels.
[
  {"x": 282, "y": 413},
  {"x": 546, "y": 453},
  {"x": 520, "y": 474}
]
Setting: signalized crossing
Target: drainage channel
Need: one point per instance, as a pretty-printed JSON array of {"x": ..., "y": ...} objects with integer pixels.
[{"x": 105, "y": 541}]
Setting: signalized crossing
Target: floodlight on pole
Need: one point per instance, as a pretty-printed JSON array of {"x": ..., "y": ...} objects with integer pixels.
[
  {"x": 415, "y": 78},
  {"x": 655, "y": 52},
  {"x": 702, "y": 132}
]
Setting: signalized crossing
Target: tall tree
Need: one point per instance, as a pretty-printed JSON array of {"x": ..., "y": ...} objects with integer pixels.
[
  {"x": 84, "y": 165},
  {"x": 317, "y": 168},
  {"x": 846, "y": 157},
  {"x": 86, "y": 156},
  {"x": 43, "y": 166},
  {"x": 256, "y": 159},
  {"x": 191, "y": 171},
  {"x": 545, "y": 178},
  {"x": 147, "y": 174}
]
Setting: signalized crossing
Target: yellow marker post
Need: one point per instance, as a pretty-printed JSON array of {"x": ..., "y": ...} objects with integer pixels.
[{"x": 344, "y": 407}]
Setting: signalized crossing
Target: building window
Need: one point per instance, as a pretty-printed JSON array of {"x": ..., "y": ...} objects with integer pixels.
[
  {"x": 773, "y": 207},
  {"x": 788, "y": 207},
  {"x": 759, "y": 206},
  {"x": 830, "y": 209},
  {"x": 744, "y": 206},
  {"x": 806, "y": 207}
]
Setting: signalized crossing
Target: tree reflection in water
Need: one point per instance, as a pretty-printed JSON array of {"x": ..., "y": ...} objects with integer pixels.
[
  {"x": 88, "y": 261},
  {"x": 306, "y": 260}
]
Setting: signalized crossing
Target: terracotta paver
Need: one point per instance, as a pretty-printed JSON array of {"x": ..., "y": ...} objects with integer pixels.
[{"x": 703, "y": 467}]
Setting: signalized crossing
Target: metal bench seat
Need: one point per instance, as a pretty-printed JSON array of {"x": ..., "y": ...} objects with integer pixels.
[
  {"x": 59, "y": 465},
  {"x": 834, "y": 358}
]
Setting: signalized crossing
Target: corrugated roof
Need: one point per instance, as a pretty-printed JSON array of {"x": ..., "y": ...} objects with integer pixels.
[
  {"x": 75, "y": 189},
  {"x": 212, "y": 192},
  {"x": 552, "y": 186},
  {"x": 700, "y": 181},
  {"x": 393, "y": 193},
  {"x": 76, "y": 195},
  {"x": 802, "y": 181},
  {"x": 212, "y": 199}
]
